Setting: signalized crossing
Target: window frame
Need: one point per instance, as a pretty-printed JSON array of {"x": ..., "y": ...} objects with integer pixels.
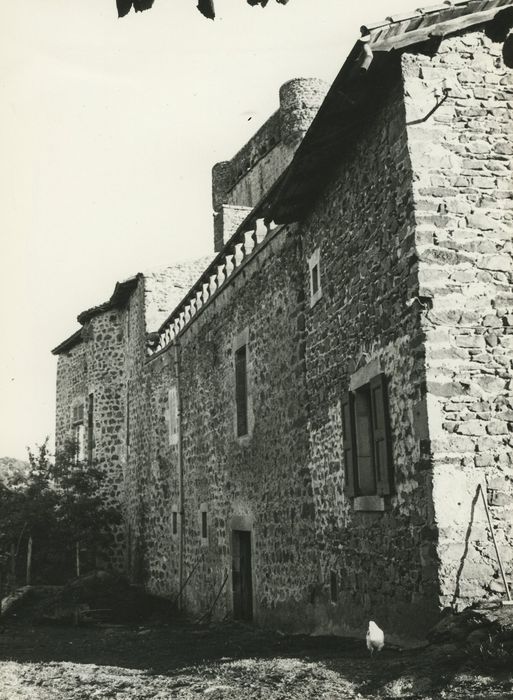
[
  {"x": 240, "y": 341},
  {"x": 241, "y": 390},
  {"x": 314, "y": 264},
  {"x": 203, "y": 519},
  {"x": 78, "y": 429},
  {"x": 371, "y": 379},
  {"x": 172, "y": 414}
]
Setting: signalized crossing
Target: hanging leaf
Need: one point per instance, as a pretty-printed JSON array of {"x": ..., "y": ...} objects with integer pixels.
[{"x": 206, "y": 7}]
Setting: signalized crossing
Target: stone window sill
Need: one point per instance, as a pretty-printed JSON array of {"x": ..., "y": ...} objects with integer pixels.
[
  {"x": 369, "y": 503},
  {"x": 244, "y": 440},
  {"x": 315, "y": 298}
]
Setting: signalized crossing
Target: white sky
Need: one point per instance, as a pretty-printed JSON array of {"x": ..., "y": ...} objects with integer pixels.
[{"x": 108, "y": 132}]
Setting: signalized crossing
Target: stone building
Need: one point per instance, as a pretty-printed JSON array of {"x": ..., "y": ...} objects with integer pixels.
[{"x": 298, "y": 437}]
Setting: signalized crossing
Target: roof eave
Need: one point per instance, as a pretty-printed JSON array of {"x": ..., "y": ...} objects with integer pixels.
[
  {"x": 121, "y": 294},
  {"x": 69, "y": 343}
]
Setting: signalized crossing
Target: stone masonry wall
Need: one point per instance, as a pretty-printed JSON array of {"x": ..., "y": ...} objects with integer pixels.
[
  {"x": 262, "y": 480},
  {"x": 285, "y": 482},
  {"x": 149, "y": 483},
  {"x": 462, "y": 162},
  {"x": 415, "y": 257},
  {"x": 71, "y": 387},
  {"x": 164, "y": 288},
  {"x": 364, "y": 228},
  {"x": 108, "y": 363},
  {"x": 97, "y": 366}
]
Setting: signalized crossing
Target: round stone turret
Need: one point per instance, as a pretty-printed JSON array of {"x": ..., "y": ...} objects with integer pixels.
[
  {"x": 300, "y": 99},
  {"x": 242, "y": 181},
  {"x": 222, "y": 180}
]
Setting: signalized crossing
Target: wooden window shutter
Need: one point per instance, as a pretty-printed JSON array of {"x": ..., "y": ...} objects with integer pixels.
[
  {"x": 348, "y": 431},
  {"x": 78, "y": 413},
  {"x": 381, "y": 431}
]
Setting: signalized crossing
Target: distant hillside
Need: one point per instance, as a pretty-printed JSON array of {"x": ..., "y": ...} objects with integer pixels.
[{"x": 12, "y": 469}]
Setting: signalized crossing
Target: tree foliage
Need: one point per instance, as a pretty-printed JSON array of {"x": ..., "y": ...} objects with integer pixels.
[
  {"x": 59, "y": 505},
  {"x": 206, "y": 7},
  {"x": 12, "y": 469}
]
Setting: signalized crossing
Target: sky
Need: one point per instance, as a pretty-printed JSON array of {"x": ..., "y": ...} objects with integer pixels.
[{"x": 108, "y": 132}]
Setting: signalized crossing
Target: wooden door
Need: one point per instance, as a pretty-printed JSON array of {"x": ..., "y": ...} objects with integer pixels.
[{"x": 242, "y": 575}]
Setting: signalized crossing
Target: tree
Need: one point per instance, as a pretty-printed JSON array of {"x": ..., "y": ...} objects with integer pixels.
[
  {"x": 81, "y": 510},
  {"x": 206, "y": 7},
  {"x": 59, "y": 508}
]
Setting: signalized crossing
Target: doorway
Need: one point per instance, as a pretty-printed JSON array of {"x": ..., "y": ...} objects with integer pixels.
[{"x": 242, "y": 575}]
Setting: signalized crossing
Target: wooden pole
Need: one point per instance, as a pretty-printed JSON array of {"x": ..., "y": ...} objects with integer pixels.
[
  {"x": 495, "y": 543},
  {"x": 29, "y": 560},
  {"x": 209, "y": 612},
  {"x": 182, "y": 587}
]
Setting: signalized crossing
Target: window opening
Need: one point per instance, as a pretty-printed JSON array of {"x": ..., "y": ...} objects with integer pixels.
[
  {"x": 367, "y": 444},
  {"x": 241, "y": 390},
  {"x": 78, "y": 432},
  {"x": 314, "y": 266}
]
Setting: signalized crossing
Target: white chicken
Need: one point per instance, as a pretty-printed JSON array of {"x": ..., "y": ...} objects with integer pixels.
[{"x": 375, "y": 638}]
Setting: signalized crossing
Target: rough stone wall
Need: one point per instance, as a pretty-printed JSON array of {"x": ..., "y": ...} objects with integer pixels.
[
  {"x": 97, "y": 366},
  {"x": 414, "y": 239},
  {"x": 364, "y": 228},
  {"x": 462, "y": 162},
  {"x": 71, "y": 386},
  {"x": 108, "y": 363},
  {"x": 285, "y": 482},
  {"x": 262, "y": 480},
  {"x": 165, "y": 287},
  {"x": 147, "y": 487}
]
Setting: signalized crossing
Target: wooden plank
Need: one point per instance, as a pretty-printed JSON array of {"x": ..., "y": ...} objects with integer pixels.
[
  {"x": 442, "y": 29},
  {"x": 371, "y": 26},
  {"x": 415, "y": 23},
  {"x": 429, "y": 9},
  {"x": 445, "y": 15},
  {"x": 397, "y": 28}
]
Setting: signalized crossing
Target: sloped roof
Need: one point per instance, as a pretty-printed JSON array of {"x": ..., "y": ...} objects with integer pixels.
[
  {"x": 163, "y": 289},
  {"x": 120, "y": 296},
  {"x": 400, "y": 31},
  {"x": 69, "y": 343}
]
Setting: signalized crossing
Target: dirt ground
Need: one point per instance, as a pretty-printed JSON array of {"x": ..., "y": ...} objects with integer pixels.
[{"x": 230, "y": 661}]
